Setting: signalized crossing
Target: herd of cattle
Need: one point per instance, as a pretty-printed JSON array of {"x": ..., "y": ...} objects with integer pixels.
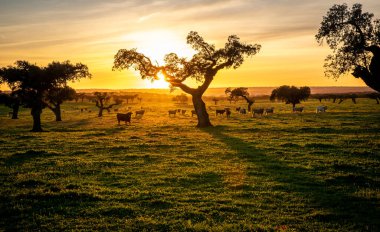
[{"x": 256, "y": 111}]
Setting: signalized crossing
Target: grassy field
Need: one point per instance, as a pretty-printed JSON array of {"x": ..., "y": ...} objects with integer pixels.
[{"x": 283, "y": 172}]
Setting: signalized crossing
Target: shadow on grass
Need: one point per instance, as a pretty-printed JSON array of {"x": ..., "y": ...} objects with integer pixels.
[
  {"x": 338, "y": 200},
  {"x": 21, "y": 157}
]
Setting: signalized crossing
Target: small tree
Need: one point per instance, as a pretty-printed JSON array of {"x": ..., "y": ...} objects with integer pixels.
[
  {"x": 56, "y": 96},
  {"x": 354, "y": 37},
  {"x": 291, "y": 95},
  {"x": 32, "y": 83},
  {"x": 101, "y": 98},
  {"x": 240, "y": 92},
  {"x": 202, "y": 67},
  {"x": 12, "y": 101},
  {"x": 215, "y": 100}
]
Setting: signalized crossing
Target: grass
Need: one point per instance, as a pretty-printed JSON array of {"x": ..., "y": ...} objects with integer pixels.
[{"x": 282, "y": 172}]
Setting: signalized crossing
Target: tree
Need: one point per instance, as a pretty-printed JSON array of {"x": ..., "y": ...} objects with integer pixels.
[
  {"x": 12, "y": 101},
  {"x": 56, "y": 96},
  {"x": 240, "y": 92},
  {"x": 215, "y": 100},
  {"x": 202, "y": 67},
  {"x": 101, "y": 99},
  {"x": 354, "y": 37},
  {"x": 32, "y": 83},
  {"x": 291, "y": 95}
]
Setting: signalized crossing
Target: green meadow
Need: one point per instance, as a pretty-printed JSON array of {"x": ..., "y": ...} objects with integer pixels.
[{"x": 281, "y": 172}]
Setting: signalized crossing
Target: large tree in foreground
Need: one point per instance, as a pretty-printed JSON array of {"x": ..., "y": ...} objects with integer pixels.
[
  {"x": 290, "y": 95},
  {"x": 202, "y": 67},
  {"x": 354, "y": 37},
  {"x": 33, "y": 83},
  {"x": 240, "y": 92}
]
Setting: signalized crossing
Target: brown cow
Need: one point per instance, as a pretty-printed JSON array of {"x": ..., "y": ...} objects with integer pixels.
[{"x": 124, "y": 117}]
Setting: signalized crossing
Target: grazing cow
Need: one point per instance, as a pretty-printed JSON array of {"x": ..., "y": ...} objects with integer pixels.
[
  {"x": 221, "y": 112},
  {"x": 193, "y": 113},
  {"x": 89, "y": 111},
  {"x": 228, "y": 112},
  {"x": 269, "y": 110},
  {"x": 172, "y": 112},
  {"x": 183, "y": 112},
  {"x": 124, "y": 117},
  {"x": 297, "y": 109},
  {"x": 139, "y": 113},
  {"x": 259, "y": 111},
  {"x": 81, "y": 110},
  {"x": 321, "y": 109},
  {"x": 238, "y": 109},
  {"x": 243, "y": 111},
  {"x": 179, "y": 110}
]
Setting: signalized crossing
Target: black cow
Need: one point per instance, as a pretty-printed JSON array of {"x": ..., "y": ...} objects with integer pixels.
[{"x": 124, "y": 117}]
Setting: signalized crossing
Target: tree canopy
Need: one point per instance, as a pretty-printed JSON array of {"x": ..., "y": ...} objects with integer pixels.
[
  {"x": 202, "y": 67},
  {"x": 290, "y": 94},
  {"x": 240, "y": 92},
  {"x": 354, "y": 37}
]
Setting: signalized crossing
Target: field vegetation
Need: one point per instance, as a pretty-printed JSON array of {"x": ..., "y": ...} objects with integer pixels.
[{"x": 279, "y": 172}]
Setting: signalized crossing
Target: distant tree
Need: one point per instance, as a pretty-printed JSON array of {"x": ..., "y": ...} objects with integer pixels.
[
  {"x": 240, "y": 92},
  {"x": 56, "y": 96},
  {"x": 291, "y": 95},
  {"x": 32, "y": 83},
  {"x": 79, "y": 96},
  {"x": 202, "y": 67},
  {"x": 354, "y": 37},
  {"x": 11, "y": 100},
  {"x": 130, "y": 97},
  {"x": 215, "y": 100},
  {"x": 100, "y": 101}
]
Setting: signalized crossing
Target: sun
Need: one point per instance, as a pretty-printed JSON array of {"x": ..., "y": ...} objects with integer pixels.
[{"x": 157, "y": 84}]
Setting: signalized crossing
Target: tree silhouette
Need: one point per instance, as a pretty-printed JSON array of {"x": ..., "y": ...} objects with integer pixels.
[
  {"x": 56, "y": 96},
  {"x": 240, "y": 92},
  {"x": 354, "y": 37},
  {"x": 33, "y": 82},
  {"x": 101, "y": 99},
  {"x": 202, "y": 67},
  {"x": 12, "y": 101},
  {"x": 291, "y": 95}
]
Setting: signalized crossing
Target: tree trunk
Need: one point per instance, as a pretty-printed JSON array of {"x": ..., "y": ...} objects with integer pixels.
[
  {"x": 100, "y": 114},
  {"x": 57, "y": 112},
  {"x": 200, "y": 109},
  {"x": 15, "y": 109},
  {"x": 249, "y": 106},
  {"x": 36, "y": 114}
]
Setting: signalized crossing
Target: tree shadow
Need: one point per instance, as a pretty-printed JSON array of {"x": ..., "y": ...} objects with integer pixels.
[{"x": 337, "y": 199}]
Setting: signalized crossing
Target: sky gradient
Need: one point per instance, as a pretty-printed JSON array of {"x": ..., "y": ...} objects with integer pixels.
[{"x": 92, "y": 31}]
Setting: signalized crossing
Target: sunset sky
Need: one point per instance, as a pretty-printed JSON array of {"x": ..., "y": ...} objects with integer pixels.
[{"x": 92, "y": 31}]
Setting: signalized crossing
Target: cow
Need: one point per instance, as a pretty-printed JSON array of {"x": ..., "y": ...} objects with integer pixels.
[
  {"x": 228, "y": 112},
  {"x": 183, "y": 112},
  {"x": 258, "y": 111},
  {"x": 124, "y": 117},
  {"x": 243, "y": 111},
  {"x": 179, "y": 110},
  {"x": 297, "y": 109},
  {"x": 116, "y": 110},
  {"x": 269, "y": 110},
  {"x": 193, "y": 113},
  {"x": 172, "y": 112},
  {"x": 219, "y": 112},
  {"x": 238, "y": 109},
  {"x": 139, "y": 113},
  {"x": 321, "y": 109}
]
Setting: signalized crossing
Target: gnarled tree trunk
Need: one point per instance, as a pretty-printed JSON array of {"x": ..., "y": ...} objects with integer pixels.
[
  {"x": 36, "y": 114},
  {"x": 200, "y": 109},
  {"x": 57, "y": 113},
  {"x": 371, "y": 76},
  {"x": 15, "y": 109}
]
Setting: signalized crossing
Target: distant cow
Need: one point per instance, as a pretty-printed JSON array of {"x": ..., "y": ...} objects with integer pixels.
[
  {"x": 172, "y": 112},
  {"x": 116, "y": 110},
  {"x": 259, "y": 111},
  {"x": 219, "y": 112},
  {"x": 228, "y": 112},
  {"x": 124, "y": 117},
  {"x": 183, "y": 112},
  {"x": 243, "y": 111},
  {"x": 238, "y": 109},
  {"x": 139, "y": 113},
  {"x": 179, "y": 110},
  {"x": 321, "y": 109},
  {"x": 193, "y": 113},
  {"x": 297, "y": 109},
  {"x": 269, "y": 110}
]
